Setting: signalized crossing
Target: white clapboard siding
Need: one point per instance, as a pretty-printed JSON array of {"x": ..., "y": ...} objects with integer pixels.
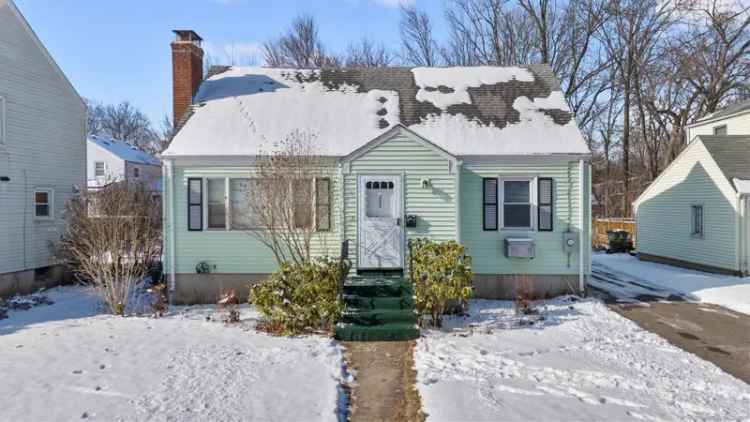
[{"x": 44, "y": 144}]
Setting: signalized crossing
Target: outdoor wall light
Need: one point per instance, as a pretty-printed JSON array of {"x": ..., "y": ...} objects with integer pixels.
[
  {"x": 4, "y": 179},
  {"x": 426, "y": 183}
]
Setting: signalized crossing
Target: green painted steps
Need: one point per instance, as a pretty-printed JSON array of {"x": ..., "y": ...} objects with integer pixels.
[
  {"x": 383, "y": 332},
  {"x": 377, "y": 309}
]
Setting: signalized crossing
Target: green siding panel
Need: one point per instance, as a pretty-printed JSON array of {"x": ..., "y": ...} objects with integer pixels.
[{"x": 486, "y": 247}]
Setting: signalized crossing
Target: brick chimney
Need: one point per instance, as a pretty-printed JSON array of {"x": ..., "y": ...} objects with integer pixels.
[{"x": 187, "y": 71}]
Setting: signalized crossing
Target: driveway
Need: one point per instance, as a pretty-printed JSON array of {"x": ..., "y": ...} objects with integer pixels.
[{"x": 714, "y": 333}]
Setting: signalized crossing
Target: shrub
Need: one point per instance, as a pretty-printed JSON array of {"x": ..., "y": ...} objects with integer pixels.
[
  {"x": 441, "y": 273},
  {"x": 113, "y": 240},
  {"x": 301, "y": 297}
]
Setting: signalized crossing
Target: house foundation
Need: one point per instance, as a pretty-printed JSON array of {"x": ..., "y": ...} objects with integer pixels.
[{"x": 29, "y": 281}]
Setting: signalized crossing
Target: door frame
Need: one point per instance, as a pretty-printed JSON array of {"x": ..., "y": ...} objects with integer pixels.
[{"x": 358, "y": 192}]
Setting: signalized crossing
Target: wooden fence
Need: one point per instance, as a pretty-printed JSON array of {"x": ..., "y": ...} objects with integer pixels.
[{"x": 603, "y": 225}]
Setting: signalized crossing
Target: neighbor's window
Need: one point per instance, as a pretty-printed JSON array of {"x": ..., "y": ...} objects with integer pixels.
[
  {"x": 302, "y": 195},
  {"x": 241, "y": 213},
  {"x": 517, "y": 206},
  {"x": 43, "y": 206},
  {"x": 697, "y": 220},
  {"x": 489, "y": 204},
  {"x": 720, "y": 130},
  {"x": 217, "y": 208},
  {"x": 136, "y": 172},
  {"x": 99, "y": 169},
  {"x": 323, "y": 204},
  {"x": 195, "y": 204},
  {"x": 545, "y": 198}
]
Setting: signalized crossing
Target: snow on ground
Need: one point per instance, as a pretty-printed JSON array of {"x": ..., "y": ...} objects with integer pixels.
[
  {"x": 584, "y": 362},
  {"x": 66, "y": 361},
  {"x": 728, "y": 291}
]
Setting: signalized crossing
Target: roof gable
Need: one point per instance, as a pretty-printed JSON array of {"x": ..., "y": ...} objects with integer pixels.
[
  {"x": 123, "y": 150},
  {"x": 464, "y": 111},
  {"x": 14, "y": 11},
  {"x": 397, "y": 130}
]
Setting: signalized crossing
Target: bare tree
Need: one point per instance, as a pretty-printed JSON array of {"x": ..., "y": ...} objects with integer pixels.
[
  {"x": 299, "y": 47},
  {"x": 417, "y": 41},
  {"x": 123, "y": 122},
  {"x": 281, "y": 201},
  {"x": 113, "y": 239},
  {"x": 367, "y": 53},
  {"x": 630, "y": 38}
]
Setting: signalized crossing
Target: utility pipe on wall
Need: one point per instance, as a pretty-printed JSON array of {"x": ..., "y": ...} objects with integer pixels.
[{"x": 581, "y": 222}]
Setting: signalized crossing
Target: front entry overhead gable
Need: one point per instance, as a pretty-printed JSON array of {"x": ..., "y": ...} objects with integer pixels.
[{"x": 400, "y": 132}]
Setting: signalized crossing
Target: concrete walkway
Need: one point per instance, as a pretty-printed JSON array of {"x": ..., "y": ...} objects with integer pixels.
[{"x": 714, "y": 333}]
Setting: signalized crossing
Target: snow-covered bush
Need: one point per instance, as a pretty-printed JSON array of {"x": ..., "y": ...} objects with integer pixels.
[
  {"x": 441, "y": 274},
  {"x": 113, "y": 240},
  {"x": 301, "y": 297}
]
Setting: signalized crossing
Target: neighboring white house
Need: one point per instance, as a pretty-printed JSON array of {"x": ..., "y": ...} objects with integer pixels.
[
  {"x": 42, "y": 154},
  {"x": 696, "y": 213},
  {"x": 731, "y": 120},
  {"x": 110, "y": 160}
]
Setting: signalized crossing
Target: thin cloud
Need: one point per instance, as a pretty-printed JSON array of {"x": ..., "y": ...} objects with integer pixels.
[{"x": 393, "y": 3}]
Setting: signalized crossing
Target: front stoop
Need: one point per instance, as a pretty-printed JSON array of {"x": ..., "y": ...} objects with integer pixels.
[{"x": 378, "y": 309}]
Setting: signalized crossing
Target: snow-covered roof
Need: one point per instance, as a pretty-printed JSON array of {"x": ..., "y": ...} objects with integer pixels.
[
  {"x": 465, "y": 111},
  {"x": 743, "y": 186},
  {"x": 124, "y": 150}
]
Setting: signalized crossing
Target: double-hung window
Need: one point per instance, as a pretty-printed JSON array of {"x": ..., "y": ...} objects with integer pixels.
[
  {"x": 216, "y": 194},
  {"x": 242, "y": 215},
  {"x": 518, "y": 206},
  {"x": 99, "y": 169},
  {"x": 696, "y": 217},
  {"x": 44, "y": 204},
  {"x": 323, "y": 204}
]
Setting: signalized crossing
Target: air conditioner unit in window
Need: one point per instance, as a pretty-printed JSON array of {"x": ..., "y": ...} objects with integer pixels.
[{"x": 519, "y": 248}]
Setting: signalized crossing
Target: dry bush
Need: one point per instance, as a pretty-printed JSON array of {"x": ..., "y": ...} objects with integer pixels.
[
  {"x": 523, "y": 303},
  {"x": 113, "y": 240}
]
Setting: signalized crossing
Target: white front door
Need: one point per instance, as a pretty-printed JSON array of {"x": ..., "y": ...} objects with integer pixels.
[{"x": 380, "y": 226}]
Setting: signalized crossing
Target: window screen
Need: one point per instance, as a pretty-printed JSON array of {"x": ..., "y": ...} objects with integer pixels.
[
  {"x": 239, "y": 203},
  {"x": 195, "y": 204},
  {"x": 546, "y": 197},
  {"x": 489, "y": 202},
  {"x": 323, "y": 204},
  {"x": 516, "y": 204},
  {"x": 217, "y": 208},
  {"x": 303, "y": 196}
]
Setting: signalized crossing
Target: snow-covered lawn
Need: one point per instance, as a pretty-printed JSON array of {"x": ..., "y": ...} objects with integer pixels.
[
  {"x": 728, "y": 291},
  {"x": 584, "y": 362},
  {"x": 66, "y": 362}
]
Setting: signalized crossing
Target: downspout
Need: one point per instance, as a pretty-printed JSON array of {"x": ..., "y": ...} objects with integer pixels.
[
  {"x": 744, "y": 234},
  {"x": 457, "y": 169},
  {"x": 581, "y": 219},
  {"x": 169, "y": 169}
]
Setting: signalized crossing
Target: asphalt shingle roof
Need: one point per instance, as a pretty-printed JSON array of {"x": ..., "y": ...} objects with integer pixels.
[{"x": 731, "y": 153}]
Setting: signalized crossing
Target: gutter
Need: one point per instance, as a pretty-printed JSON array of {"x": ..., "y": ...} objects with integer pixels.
[{"x": 581, "y": 218}]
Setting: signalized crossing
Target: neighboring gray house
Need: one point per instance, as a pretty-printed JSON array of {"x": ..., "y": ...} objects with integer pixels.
[
  {"x": 731, "y": 120},
  {"x": 42, "y": 154},
  {"x": 110, "y": 160},
  {"x": 696, "y": 214}
]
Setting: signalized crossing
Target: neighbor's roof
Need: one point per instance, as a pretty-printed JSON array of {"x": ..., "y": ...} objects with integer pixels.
[
  {"x": 732, "y": 154},
  {"x": 742, "y": 106},
  {"x": 124, "y": 150},
  {"x": 466, "y": 111}
]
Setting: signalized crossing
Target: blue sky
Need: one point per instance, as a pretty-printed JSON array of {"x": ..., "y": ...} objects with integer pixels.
[{"x": 119, "y": 50}]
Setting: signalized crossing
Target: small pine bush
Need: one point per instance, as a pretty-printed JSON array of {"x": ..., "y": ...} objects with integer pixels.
[
  {"x": 300, "y": 298},
  {"x": 441, "y": 273}
]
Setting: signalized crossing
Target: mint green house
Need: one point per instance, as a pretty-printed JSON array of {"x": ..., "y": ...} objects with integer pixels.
[{"x": 488, "y": 156}]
